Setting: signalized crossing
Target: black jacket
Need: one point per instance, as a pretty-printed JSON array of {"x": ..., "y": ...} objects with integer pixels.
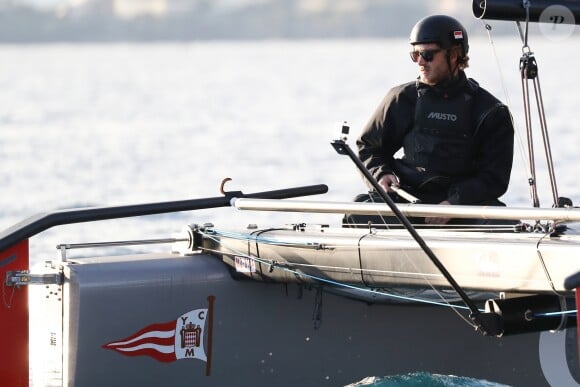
[{"x": 492, "y": 142}]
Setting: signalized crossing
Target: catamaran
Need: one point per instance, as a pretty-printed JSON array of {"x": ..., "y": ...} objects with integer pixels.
[{"x": 309, "y": 304}]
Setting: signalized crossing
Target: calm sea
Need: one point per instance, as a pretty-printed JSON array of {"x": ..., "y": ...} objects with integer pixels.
[{"x": 112, "y": 124}]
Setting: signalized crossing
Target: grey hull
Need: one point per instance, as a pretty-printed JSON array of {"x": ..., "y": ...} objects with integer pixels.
[{"x": 271, "y": 334}]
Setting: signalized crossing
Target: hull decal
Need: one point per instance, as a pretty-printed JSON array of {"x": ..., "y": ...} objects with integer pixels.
[{"x": 182, "y": 338}]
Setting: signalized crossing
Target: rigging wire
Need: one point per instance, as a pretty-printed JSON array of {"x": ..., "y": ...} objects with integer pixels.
[
  {"x": 529, "y": 71},
  {"x": 437, "y": 292},
  {"x": 288, "y": 267},
  {"x": 529, "y": 165},
  {"x": 520, "y": 142},
  {"x": 329, "y": 281},
  {"x": 546, "y": 271}
]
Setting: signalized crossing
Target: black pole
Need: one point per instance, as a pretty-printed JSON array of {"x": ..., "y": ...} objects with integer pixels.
[
  {"x": 568, "y": 11},
  {"x": 46, "y": 220},
  {"x": 487, "y": 326}
]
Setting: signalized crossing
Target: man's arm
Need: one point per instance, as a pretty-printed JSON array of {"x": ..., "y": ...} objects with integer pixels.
[{"x": 383, "y": 135}]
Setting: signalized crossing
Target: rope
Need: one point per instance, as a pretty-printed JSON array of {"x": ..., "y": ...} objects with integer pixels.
[
  {"x": 520, "y": 142},
  {"x": 445, "y": 302},
  {"x": 290, "y": 267},
  {"x": 552, "y": 314},
  {"x": 546, "y": 272},
  {"x": 7, "y": 302},
  {"x": 329, "y": 281}
]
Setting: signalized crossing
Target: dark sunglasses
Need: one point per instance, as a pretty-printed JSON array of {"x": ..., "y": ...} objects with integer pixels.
[{"x": 427, "y": 55}]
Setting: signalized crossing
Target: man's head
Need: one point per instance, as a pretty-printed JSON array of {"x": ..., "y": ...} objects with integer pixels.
[{"x": 439, "y": 46}]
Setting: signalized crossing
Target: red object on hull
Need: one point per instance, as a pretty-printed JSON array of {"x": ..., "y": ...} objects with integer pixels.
[{"x": 14, "y": 318}]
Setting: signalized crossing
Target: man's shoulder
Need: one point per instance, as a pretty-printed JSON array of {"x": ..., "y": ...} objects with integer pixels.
[
  {"x": 486, "y": 103},
  {"x": 407, "y": 91},
  {"x": 482, "y": 94},
  {"x": 406, "y": 87}
]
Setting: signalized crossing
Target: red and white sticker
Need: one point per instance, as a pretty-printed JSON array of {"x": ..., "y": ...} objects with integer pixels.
[
  {"x": 245, "y": 264},
  {"x": 182, "y": 338}
]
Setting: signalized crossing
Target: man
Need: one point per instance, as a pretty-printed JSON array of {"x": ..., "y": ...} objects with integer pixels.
[{"x": 457, "y": 138}]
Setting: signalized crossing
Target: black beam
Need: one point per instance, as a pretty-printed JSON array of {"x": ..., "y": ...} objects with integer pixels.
[
  {"x": 43, "y": 221},
  {"x": 568, "y": 11}
]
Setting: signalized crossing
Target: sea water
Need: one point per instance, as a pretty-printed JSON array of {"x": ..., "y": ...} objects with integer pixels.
[
  {"x": 113, "y": 124},
  {"x": 423, "y": 379}
]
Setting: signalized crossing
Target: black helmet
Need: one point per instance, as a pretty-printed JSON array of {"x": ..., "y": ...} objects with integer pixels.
[{"x": 441, "y": 29}]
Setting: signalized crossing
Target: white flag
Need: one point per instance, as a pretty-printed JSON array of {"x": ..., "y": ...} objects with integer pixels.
[{"x": 189, "y": 332}]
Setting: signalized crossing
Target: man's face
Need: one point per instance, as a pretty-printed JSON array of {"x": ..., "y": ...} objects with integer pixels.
[{"x": 436, "y": 70}]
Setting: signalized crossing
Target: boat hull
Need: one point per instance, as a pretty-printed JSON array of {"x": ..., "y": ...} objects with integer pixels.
[
  {"x": 265, "y": 334},
  {"x": 481, "y": 261}
]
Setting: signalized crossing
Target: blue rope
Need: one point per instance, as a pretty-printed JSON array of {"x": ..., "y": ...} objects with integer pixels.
[
  {"x": 551, "y": 314},
  {"x": 242, "y": 236},
  {"x": 336, "y": 283},
  {"x": 257, "y": 238}
]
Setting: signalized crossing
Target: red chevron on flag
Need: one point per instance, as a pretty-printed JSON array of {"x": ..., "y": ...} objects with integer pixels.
[
  {"x": 155, "y": 340},
  {"x": 182, "y": 338}
]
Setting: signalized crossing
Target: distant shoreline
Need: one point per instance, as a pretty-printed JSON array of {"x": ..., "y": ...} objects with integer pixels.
[{"x": 98, "y": 22}]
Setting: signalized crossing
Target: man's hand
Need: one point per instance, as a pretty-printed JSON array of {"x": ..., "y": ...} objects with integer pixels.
[
  {"x": 387, "y": 181},
  {"x": 438, "y": 220}
]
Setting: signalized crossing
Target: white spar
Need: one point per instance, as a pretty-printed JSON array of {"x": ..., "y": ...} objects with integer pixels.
[{"x": 569, "y": 214}]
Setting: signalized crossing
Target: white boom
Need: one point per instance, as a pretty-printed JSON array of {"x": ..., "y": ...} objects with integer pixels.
[{"x": 569, "y": 214}]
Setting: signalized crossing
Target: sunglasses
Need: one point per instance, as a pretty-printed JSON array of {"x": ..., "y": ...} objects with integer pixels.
[{"x": 427, "y": 55}]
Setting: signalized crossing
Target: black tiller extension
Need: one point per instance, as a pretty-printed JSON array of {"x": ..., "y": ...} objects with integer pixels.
[{"x": 488, "y": 323}]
